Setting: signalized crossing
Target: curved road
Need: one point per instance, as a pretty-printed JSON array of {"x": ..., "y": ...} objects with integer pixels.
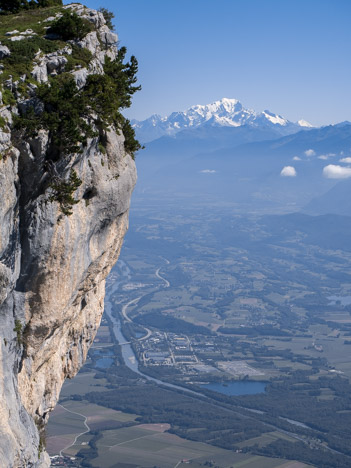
[
  {"x": 125, "y": 307},
  {"x": 167, "y": 283},
  {"x": 128, "y": 319},
  {"x": 77, "y": 436}
]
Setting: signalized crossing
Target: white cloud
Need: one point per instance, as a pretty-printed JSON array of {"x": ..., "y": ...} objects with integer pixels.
[
  {"x": 208, "y": 171},
  {"x": 336, "y": 172},
  {"x": 296, "y": 158},
  {"x": 310, "y": 152},
  {"x": 345, "y": 160},
  {"x": 288, "y": 171},
  {"x": 326, "y": 156}
]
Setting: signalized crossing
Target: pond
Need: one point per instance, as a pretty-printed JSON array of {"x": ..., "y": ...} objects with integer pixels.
[{"x": 242, "y": 387}]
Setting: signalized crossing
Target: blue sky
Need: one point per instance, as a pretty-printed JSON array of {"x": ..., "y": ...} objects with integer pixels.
[{"x": 289, "y": 56}]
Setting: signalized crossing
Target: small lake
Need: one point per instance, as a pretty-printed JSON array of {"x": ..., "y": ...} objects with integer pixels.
[
  {"x": 244, "y": 387},
  {"x": 344, "y": 300},
  {"x": 104, "y": 363}
]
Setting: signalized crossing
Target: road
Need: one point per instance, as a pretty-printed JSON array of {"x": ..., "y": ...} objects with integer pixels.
[
  {"x": 167, "y": 283},
  {"x": 128, "y": 319},
  {"x": 77, "y": 436}
]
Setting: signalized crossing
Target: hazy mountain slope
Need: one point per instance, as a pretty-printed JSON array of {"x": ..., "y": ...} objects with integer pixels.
[
  {"x": 337, "y": 200},
  {"x": 250, "y": 173}
]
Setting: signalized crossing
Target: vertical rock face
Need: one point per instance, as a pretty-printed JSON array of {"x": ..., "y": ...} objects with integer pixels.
[{"x": 53, "y": 266}]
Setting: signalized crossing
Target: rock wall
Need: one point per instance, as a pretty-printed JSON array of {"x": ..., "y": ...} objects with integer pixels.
[{"x": 53, "y": 267}]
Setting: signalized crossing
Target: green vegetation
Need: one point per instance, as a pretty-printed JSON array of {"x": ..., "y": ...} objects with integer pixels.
[
  {"x": 63, "y": 192},
  {"x": 19, "y": 331},
  {"x": 3, "y": 122},
  {"x": 42, "y": 443},
  {"x": 28, "y": 19},
  {"x": 170, "y": 324},
  {"x": 14, "y": 6},
  {"x": 108, "y": 15},
  {"x": 65, "y": 113},
  {"x": 80, "y": 57},
  {"x": 101, "y": 148},
  {"x": 131, "y": 144},
  {"x": 70, "y": 26},
  {"x": 67, "y": 109},
  {"x": 123, "y": 75},
  {"x": 42, "y": 434},
  {"x": 8, "y": 98},
  {"x": 20, "y": 62}
]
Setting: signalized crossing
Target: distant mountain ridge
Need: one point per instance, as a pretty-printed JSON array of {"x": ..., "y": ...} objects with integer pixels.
[{"x": 223, "y": 113}]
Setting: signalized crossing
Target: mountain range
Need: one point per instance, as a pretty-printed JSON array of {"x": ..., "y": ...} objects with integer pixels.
[{"x": 223, "y": 113}]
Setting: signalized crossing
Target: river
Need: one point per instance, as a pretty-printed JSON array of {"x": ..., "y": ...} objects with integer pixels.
[{"x": 128, "y": 354}]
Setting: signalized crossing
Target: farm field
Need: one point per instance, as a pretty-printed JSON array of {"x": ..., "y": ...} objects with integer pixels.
[
  {"x": 148, "y": 447},
  {"x": 67, "y": 422},
  {"x": 140, "y": 445}
]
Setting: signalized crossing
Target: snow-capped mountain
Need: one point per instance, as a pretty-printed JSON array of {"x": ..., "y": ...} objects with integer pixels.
[{"x": 223, "y": 113}]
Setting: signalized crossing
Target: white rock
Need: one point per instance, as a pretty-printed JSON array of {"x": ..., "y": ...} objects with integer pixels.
[
  {"x": 4, "y": 51},
  {"x": 40, "y": 73},
  {"x": 90, "y": 42},
  {"x": 107, "y": 37},
  {"x": 10, "y": 33},
  {"x": 53, "y": 18},
  {"x": 80, "y": 77},
  {"x": 19, "y": 38},
  {"x": 29, "y": 32},
  {"x": 56, "y": 64},
  {"x": 95, "y": 67},
  {"x": 51, "y": 64},
  {"x": 95, "y": 17}
]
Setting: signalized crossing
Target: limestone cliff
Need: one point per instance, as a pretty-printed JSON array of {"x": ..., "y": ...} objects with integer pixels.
[{"x": 53, "y": 264}]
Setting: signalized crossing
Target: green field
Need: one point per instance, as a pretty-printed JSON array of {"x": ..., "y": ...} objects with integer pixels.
[
  {"x": 83, "y": 383},
  {"x": 67, "y": 422},
  {"x": 140, "y": 447},
  {"x": 265, "y": 439}
]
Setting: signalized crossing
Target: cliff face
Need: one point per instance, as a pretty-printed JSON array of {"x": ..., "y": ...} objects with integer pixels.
[{"x": 53, "y": 265}]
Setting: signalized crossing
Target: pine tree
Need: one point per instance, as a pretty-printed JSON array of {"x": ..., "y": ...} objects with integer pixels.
[{"x": 13, "y": 6}]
